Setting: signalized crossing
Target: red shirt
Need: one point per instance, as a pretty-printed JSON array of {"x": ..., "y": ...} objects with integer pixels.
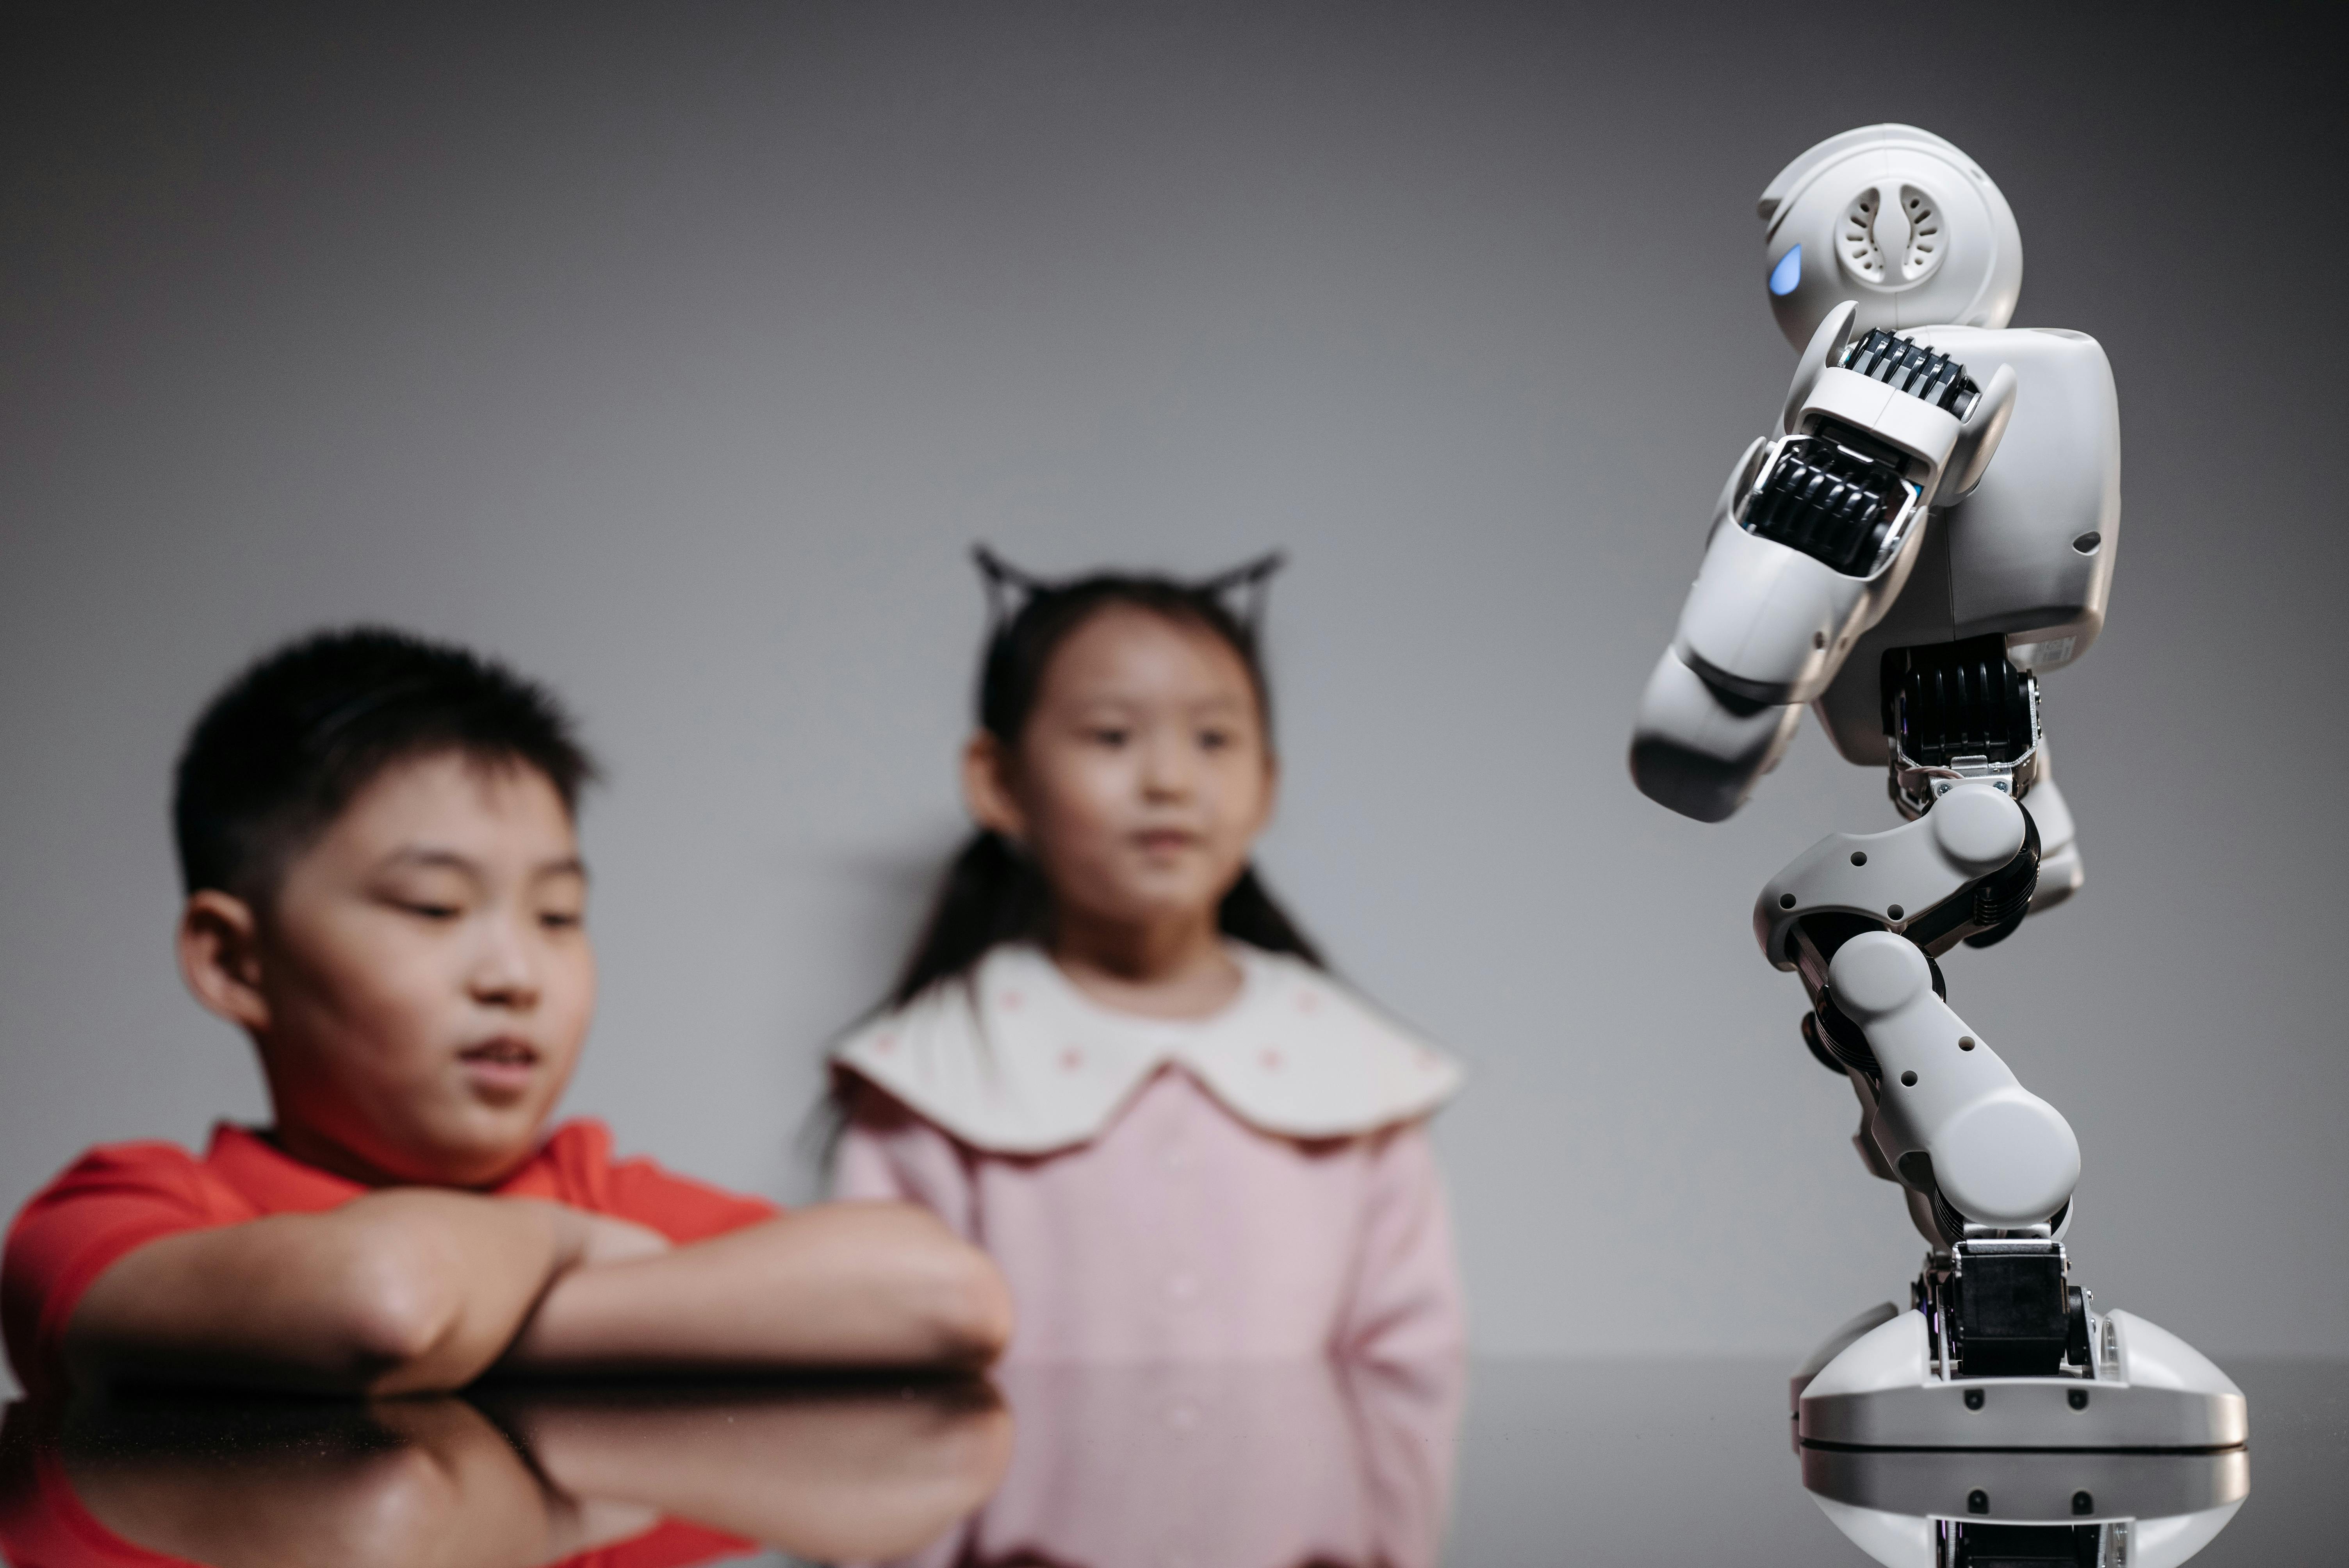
[{"x": 120, "y": 1196}]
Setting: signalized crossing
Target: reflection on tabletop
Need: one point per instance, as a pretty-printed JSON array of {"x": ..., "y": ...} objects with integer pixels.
[
  {"x": 1241, "y": 1465},
  {"x": 628, "y": 1477},
  {"x": 1907, "y": 1509},
  {"x": 1230, "y": 1464}
]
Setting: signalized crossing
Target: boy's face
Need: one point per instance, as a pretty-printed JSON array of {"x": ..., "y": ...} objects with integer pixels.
[{"x": 425, "y": 976}]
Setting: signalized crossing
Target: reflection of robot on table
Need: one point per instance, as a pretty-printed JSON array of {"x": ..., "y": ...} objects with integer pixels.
[
  {"x": 1969, "y": 1509},
  {"x": 1930, "y": 530}
]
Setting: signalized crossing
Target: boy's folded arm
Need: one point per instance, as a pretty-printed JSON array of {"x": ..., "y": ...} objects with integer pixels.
[
  {"x": 853, "y": 1284},
  {"x": 395, "y": 1292}
]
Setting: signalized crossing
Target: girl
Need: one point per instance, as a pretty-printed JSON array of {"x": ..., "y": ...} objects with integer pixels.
[{"x": 1112, "y": 1059}]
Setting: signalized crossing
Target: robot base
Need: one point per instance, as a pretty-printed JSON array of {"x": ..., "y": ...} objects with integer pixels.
[{"x": 1876, "y": 1386}]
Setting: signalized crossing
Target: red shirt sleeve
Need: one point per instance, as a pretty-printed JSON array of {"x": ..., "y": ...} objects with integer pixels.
[
  {"x": 109, "y": 1202},
  {"x": 680, "y": 1208},
  {"x": 124, "y": 1195},
  {"x": 576, "y": 1166}
]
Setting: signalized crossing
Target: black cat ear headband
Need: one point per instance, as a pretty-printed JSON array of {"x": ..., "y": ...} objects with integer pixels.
[{"x": 1009, "y": 589}]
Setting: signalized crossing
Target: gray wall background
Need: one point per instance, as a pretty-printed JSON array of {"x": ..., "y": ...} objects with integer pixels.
[{"x": 679, "y": 353}]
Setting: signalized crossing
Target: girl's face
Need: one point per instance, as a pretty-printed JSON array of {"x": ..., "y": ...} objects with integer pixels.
[{"x": 1143, "y": 777}]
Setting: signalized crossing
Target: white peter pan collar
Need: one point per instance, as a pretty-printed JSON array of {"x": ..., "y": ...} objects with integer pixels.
[{"x": 1019, "y": 1061}]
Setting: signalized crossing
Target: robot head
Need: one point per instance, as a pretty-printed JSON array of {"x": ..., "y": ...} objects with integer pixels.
[{"x": 1895, "y": 218}]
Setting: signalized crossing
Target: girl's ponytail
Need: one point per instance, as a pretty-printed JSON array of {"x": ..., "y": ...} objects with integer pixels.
[
  {"x": 992, "y": 892},
  {"x": 1250, "y": 913}
]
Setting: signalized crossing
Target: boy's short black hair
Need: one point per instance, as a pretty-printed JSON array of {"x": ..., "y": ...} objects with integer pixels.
[{"x": 284, "y": 748}]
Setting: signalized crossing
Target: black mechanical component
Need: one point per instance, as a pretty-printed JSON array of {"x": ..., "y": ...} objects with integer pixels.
[
  {"x": 2004, "y": 898},
  {"x": 2001, "y": 898},
  {"x": 1971, "y": 1545},
  {"x": 1812, "y": 942},
  {"x": 1949, "y": 700},
  {"x": 2011, "y": 1310},
  {"x": 1844, "y": 1040},
  {"x": 1952, "y": 1223},
  {"x": 1900, "y": 364},
  {"x": 1832, "y": 496},
  {"x": 2077, "y": 1348},
  {"x": 1819, "y": 1051}
]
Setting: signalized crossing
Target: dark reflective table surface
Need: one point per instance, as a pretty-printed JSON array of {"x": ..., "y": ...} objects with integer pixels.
[{"x": 1239, "y": 1466}]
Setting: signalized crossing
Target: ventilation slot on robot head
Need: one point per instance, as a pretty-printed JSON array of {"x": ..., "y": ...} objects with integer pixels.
[
  {"x": 1923, "y": 252},
  {"x": 1855, "y": 238}
]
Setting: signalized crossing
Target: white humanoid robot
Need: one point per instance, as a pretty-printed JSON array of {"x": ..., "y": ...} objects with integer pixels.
[{"x": 1931, "y": 527}]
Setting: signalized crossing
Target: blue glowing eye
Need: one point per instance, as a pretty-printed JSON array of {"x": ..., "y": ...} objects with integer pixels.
[{"x": 1788, "y": 272}]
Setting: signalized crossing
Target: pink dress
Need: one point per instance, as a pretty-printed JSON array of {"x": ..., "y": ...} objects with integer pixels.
[{"x": 1257, "y": 1184}]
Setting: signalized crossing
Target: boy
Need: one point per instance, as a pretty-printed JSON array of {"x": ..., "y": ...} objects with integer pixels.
[{"x": 383, "y": 890}]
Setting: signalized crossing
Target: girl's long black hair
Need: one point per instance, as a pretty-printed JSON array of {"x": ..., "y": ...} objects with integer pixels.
[{"x": 993, "y": 892}]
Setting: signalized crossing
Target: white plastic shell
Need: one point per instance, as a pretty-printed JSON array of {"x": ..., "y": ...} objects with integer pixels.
[
  {"x": 1925, "y": 433},
  {"x": 1897, "y": 218},
  {"x": 2000, "y": 1154},
  {"x": 1972, "y": 831},
  {"x": 2028, "y": 554},
  {"x": 1765, "y": 626},
  {"x": 2156, "y": 1392},
  {"x": 1771, "y": 624},
  {"x": 1699, "y": 752}
]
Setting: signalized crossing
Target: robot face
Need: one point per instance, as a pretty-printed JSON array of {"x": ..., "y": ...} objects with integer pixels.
[{"x": 1897, "y": 219}]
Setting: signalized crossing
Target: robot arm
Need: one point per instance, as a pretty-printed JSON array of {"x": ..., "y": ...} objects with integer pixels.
[{"x": 1813, "y": 537}]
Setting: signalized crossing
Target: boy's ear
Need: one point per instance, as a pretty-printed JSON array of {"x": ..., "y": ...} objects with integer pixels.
[
  {"x": 220, "y": 956},
  {"x": 986, "y": 790}
]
